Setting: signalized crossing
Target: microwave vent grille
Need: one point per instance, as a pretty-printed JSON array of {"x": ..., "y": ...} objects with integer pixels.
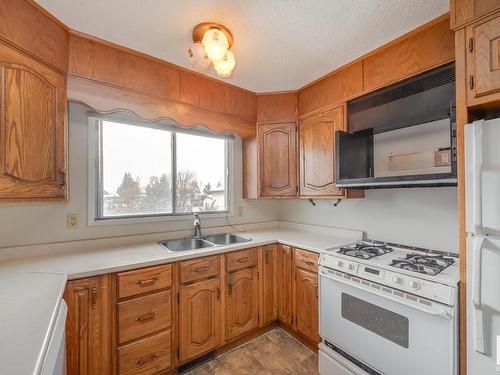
[{"x": 412, "y": 86}]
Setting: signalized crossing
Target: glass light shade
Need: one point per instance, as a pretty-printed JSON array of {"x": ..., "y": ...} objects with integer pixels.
[
  {"x": 215, "y": 43},
  {"x": 224, "y": 67},
  {"x": 197, "y": 56}
]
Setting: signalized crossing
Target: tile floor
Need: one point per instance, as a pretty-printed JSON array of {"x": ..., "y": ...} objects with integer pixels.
[{"x": 275, "y": 353}]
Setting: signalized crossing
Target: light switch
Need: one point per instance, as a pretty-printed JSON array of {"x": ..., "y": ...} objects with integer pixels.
[
  {"x": 239, "y": 211},
  {"x": 72, "y": 221}
]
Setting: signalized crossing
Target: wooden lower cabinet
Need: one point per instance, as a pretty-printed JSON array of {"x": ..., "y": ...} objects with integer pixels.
[
  {"x": 268, "y": 284},
  {"x": 306, "y": 304},
  {"x": 284, "y": 285},
  {"x": 130, "y": 323},
  {"x": 199, "y": 318},
  {"x": 242, "y": 302},
  {"x": 88, "y": 329}
]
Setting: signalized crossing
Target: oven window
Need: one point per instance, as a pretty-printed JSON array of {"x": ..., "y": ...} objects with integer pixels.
[{"x": 385, "y": 323}]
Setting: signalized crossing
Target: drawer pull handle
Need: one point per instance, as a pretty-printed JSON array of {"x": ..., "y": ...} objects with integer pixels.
[
  {"x": 201, "y": 269},
  {"x": 147, "y": 317},
  {"x": 148, "y": 281},
  {"x": 218, "y": 293},
  {"x": 142, "y": 361},
  {"x": 243, "y": 260},
  {"x": 306, "y": 261}
]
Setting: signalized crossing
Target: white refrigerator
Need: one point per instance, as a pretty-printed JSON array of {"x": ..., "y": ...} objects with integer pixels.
[{"x": 482, "y": 164}]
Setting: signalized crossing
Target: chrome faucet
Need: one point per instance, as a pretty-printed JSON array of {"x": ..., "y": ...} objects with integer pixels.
[{"x": 197, "y": 225}]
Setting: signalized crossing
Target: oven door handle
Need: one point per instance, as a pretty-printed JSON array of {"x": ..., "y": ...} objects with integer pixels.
[{"x": 442, "y": 313}]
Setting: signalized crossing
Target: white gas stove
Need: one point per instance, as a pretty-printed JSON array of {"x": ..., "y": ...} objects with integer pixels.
[{"x": 388, "y": 309}]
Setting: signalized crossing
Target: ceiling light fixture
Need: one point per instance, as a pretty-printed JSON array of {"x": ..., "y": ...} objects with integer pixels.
[{"x": 211, "y": 44}]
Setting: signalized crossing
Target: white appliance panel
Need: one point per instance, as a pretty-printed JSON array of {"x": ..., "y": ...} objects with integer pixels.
[
  {"x": 482, "y": 154},
  {"x": 404, "y": 333},
  {"x": 483, "y": 305},
  {"x": 331, "y": 363}
]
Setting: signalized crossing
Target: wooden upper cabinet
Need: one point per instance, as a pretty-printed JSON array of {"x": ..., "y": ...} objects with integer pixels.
[
  {"x": 199, "y": 318},
  {"x": 32, "y": 129},
  {"x": 415, "y": 53},
  {"x": 483, "y": 61},
  {"x": 277, "y": 159},
  {"x": 317, "y": 153},
  {"x": 306, "y": 304},
  {"x": 87, "y": 326},
  {"x": 281, "y": 107},
  {"x": 242, "y": 302},
  {"x": 285, "y": 284},
  {"x": 269, "y": 280},
  {"x": 466, "y": 11}
]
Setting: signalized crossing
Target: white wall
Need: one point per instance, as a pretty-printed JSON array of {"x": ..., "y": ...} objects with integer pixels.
[
  {"x": 425, "y": 217},
  {"x": 418, "y": 217},
  {"x": 22, "y": 224}
]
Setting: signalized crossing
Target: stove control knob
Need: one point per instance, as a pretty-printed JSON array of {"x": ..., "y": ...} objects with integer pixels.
[
  {"x": 350, "y": 267},
  {"x": 415, "y": 285},
  {"x": 340, "y": 264},
  {"x": 396, "y": 279}
]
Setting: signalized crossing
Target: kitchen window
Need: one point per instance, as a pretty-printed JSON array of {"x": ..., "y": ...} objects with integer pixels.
[{"x": 148, "y": 170}]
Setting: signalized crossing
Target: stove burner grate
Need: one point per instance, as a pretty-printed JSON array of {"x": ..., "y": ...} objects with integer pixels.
[
  {"x": 365, "y": 250},
  {"x": 423, "y": 263}
]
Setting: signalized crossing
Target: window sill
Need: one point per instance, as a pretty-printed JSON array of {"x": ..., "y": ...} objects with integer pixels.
[{"x": 94, "y": 222}]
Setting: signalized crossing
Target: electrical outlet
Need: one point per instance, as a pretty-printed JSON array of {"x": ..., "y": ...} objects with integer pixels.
[
  {"x": 72, "y": 221},
  {"x": 239, "y": 211}
]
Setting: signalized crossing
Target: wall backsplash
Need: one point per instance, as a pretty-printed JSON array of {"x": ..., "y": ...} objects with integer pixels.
[
  {"x": 423, "y": 217},
  {"x": 24, "y": 224}
]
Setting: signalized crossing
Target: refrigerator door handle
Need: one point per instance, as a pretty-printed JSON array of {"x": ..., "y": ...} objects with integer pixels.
[
  {"x": 478, "y": 311},
  {"x": 477, "y": 179}
]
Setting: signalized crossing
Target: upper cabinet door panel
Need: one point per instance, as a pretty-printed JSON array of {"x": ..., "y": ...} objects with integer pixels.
[
  {"x": 277, "y": 159},
  {"x": 29, "y": 108},
  {"x": 317, "y": 153},
  {"x": 484, "y": 58},
  {"x": 32, "y": 129}
]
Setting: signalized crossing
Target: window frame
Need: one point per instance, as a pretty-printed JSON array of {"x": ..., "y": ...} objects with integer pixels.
[{"x": 95, "y": 168}]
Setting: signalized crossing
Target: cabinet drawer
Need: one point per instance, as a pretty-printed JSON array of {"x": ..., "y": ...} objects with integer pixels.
[
  {"x": 144, "y": 315},
  {"x": 145, "y": 280},
  {"x": 306, "y": 260},
  {"x": 147, "y": 356},
  {"x": 197, "y": 269},
  {"x": 241, "y": 259}
]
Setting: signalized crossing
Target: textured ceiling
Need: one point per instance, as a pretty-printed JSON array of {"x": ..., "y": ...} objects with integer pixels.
[{"x": 278, "y": 44}]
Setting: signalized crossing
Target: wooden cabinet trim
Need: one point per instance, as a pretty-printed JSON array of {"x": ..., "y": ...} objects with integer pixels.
[
  {"x": 144, "y": 280},
  {"x": 199, "y": 268},
  {"x": 146, "y": 356},
  {"x": 144, "y": 315},
  {"x": 242, "y": 306},
  {"x": 238, "y": 260},
  {"x": 271, "y": 167}
]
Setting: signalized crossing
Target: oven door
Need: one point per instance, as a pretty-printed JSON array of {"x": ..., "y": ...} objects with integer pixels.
[{"x": 392, "y": 332}]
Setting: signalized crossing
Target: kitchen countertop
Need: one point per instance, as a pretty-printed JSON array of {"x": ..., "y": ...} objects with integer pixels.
[
  {"x": 34, "y": 285},
  {"x": 30, "y": 302}
]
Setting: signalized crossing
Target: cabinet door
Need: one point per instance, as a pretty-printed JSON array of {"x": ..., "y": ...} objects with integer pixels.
[
  {"x": 306, "y": 304},
  {"x": 87, "y": 326},
  {"x": 269, "y": 279},
  {"x": 285, "y": 284},
  {"x": 242, "y": 307},
  {"x": 199, "y": 318},
  {"x": 483, "y": 60},
  {"x": 32, "y": 129},
  {"x": 317, "y": 153},
  {"x": 277, "y": 159}
]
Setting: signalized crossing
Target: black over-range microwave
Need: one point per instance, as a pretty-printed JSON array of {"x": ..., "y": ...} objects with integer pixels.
[{"x": 401, "y": 136}]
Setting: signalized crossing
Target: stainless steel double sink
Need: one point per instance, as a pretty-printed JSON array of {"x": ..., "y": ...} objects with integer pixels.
[{"x": 194, "y": 243}]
